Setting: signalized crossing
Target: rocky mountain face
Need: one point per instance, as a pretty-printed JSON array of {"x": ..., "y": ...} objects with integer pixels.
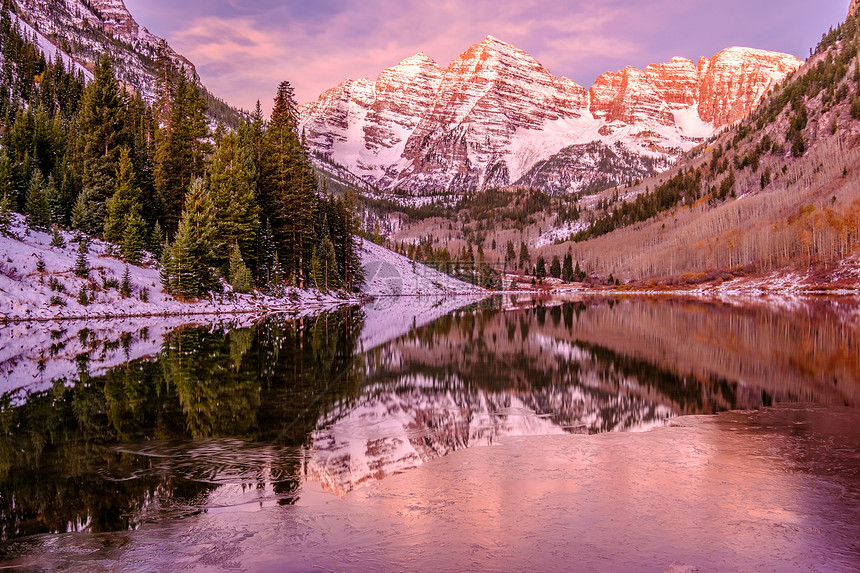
[
  {"x": 86, "y": 29},
  {"x": 495, "y": 116}
]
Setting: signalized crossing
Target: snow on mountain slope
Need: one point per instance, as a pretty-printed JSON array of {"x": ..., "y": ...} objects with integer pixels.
[
  {"x": 496, "y": 112},
  {"x": 87, "y": 29},
  {"x": 388, "y": 274},
  {"x": 26, "y": 292}
]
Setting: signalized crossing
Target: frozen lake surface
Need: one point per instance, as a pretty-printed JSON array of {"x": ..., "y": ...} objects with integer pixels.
[{"x": 513, "y": 434}]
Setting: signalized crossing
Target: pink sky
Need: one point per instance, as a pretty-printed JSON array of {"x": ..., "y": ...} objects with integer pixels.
[{"x": 243, "y": 49}]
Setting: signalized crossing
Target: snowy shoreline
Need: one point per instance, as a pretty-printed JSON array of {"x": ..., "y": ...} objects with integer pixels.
[{"x": 38, "y": 282}]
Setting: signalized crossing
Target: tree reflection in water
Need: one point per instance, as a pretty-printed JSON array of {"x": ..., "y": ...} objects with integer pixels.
[{"x": 235, "y": 416}]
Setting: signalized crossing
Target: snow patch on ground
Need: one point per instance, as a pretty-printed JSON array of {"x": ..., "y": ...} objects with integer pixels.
[
  {"x": 388, "y": 274},
  {"x": 29, "y": 293},
  {"x": 561, "y": 233}
]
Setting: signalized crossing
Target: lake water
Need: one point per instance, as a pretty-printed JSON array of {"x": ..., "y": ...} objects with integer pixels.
[{"x": 514, "y": 433}]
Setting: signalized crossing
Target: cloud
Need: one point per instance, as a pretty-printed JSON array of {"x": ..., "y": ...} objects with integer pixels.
[{"x": 243, "y": 49}]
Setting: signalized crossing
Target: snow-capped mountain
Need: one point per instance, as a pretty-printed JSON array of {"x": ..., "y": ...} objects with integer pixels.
[{"x": 497, "y": 117}]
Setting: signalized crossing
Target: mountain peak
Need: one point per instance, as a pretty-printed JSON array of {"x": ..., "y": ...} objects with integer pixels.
[
  {"x": 420, "y": 59},
  {"x": 495, "y": 112},
  {"x": 495, "y": 43}
]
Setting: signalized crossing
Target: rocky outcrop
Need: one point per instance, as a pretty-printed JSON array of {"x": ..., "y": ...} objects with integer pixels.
[
  {"x": 88, "y": 29},
  {"x": 733, "y": 82},
  {"x": 495, "y": 114}
]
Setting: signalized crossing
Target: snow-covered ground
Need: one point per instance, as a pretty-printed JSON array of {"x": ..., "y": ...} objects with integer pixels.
[
  {"x": 26, "y": 292},
  {"x": 388, "y": 274},
  {"x": 52, "y": 293}
]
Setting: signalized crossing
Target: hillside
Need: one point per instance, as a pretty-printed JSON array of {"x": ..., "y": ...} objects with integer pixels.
[
  {"x": 84, "y": 30},
  {"x": 496, "y": 117},
  {"x": 38, "y": 281},
  {"x": 779, "y": 191},
  {"x": 775, "y": 196}
]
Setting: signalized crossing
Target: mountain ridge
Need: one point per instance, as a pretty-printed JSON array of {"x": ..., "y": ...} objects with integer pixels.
[
  {"x": 85, "y": 30},
  {"x": 495, "y": 112}
]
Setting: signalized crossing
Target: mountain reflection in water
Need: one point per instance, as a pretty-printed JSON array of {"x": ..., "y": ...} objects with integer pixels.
[{"x": 241, "y": 417}]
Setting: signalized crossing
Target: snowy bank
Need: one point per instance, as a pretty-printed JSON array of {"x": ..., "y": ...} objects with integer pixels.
[
  {"x": 38, "y": 282},
  {"x": 387, "y": 273}
]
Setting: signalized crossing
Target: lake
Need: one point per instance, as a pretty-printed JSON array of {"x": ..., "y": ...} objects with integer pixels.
[{"x": 512, "y": 433}]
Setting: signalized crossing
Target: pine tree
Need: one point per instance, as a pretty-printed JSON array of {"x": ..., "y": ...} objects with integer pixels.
[
  {"x": 578, "y": 273},
  {"x": 555, "y": 267},
  {"x": 317, "y": 271},
  {"x": 191, "y": 252},
  {"x": 157, "y": 240},
  {"x": 55, "y": 201},
  {"x": 5, "y": 214},
  {"x": 328, "y": 261},
  {"x": 240, "y": 275},
  {"x": 125, "y": 286},
  {"x": 167, "y": 273},
  {"x": 88, "y": 213},
  {"x": 102, "y": 131},
  {"x": 231, "y": 180},
  {"x": 567, "y": 270},
  {"x": 82, "y": 268},
  {"x": 134, "y": 239},
  {"x": 525, "y": 257},
  {"x": 124, "y": 203},
  {"x": 288, "y": 186},
  {"x": 38, "y": 210},
  {"x": 83, "y": 299},
  {"x": 7, "y": 176},
  {"x": 57, "y": 237},
  {"x": 540, "y": 268},
  {"x": 510, "y": 253},
  {"x": 181, "y": 148}
]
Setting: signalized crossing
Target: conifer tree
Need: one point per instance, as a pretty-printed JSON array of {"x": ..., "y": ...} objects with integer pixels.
[
  {"x": 88, "y": 212},
  {"x": 231, "y": 180},
  {"x": 240, "y": 275},
  {"x": 55, "y": 201},
  {"x": 525, "y": 257},
  {"x": 540, "y": 267},
  {"x": 125, "y": 202},
  {"x": 567, "y": 270},
  {"x": 288, "y": 188},
  {"x": 510, "y": 253},
  {"x": 134, "y": 239},
  {"x": 57, "y": 237},
  {"x": 82, "y": 268},
  {"x": 38, "y": 210},
  {"x": 5, "y": 214},
  {"x": 191, "y": 252},
  {"x": 125, "y": 286},
  {"x": 102, "y": 131},
  {"x": 156, "y": 240},
  {"x": 167, "y": 273},
  {"x": 181, "y": 148},
  {"x": 555, "y": 267},
  {"x": 328, "y": 264},
  {"x": 7, "y": 188},
  {"x": 317, "y": 272}
]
